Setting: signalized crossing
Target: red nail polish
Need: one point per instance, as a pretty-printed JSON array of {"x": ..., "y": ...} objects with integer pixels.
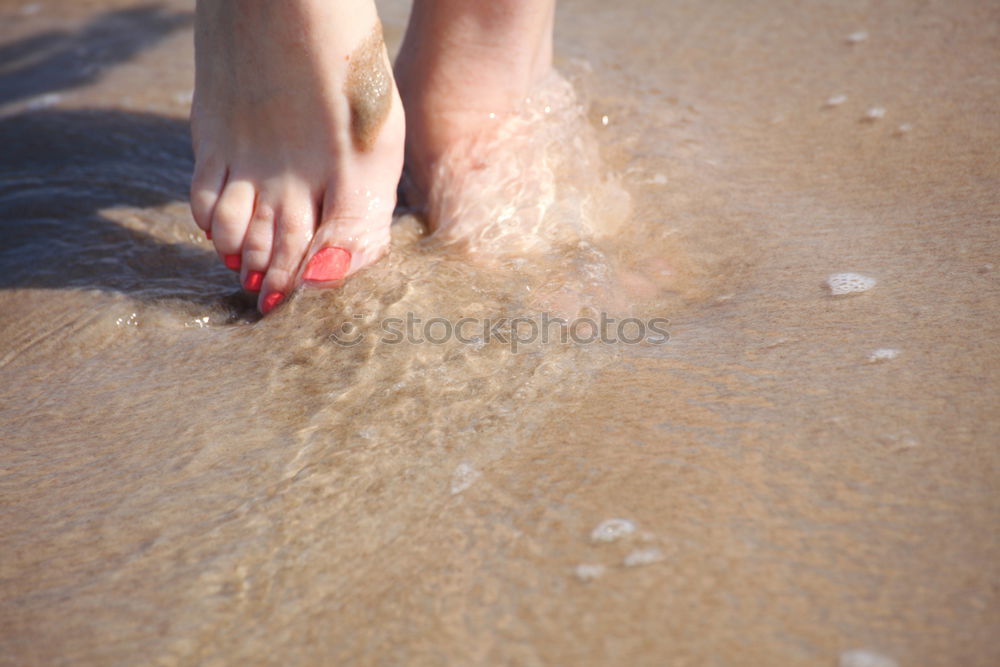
[
  {"x": 328, "y": 264},
  {"x": 208, "y": 234},
  {"x": 233, "y": 262},
  {"x": 253, "y": 280},
  {"x": 270, "y": 301}
]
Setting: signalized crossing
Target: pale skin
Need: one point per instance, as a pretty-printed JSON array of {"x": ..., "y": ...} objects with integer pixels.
[{"x": 299, "y": 129}]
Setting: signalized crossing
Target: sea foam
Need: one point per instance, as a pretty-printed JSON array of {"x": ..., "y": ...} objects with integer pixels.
[
  {"x": 611, "y": 530},
  {"x": 849, "y": 283},
  {"x": 864, "y": 658}
]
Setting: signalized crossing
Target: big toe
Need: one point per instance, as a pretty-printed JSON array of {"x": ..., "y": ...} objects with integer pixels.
[{"x": 354, "y": 232}]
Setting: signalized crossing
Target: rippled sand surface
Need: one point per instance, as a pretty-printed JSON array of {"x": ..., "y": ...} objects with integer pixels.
[{"x": 793, "y": 478}]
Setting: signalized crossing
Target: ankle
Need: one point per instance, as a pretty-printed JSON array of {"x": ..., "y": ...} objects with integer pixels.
[{"x": 468, "y": 46}]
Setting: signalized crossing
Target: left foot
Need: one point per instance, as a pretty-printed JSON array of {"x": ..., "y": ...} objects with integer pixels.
[{"x": 464, "y": 67}]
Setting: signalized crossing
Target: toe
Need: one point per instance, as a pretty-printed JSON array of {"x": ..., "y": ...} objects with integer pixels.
[
  {"x": 295, "y": 221},
  {"x": 259, "y": 241},
  {"x": 353, "y": 234},
  {"x": 206, "y": 186},
  {"x": 230, "y": 220}
]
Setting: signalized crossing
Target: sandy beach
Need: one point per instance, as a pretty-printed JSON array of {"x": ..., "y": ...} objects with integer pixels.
[{"x": 791, "y": 476}]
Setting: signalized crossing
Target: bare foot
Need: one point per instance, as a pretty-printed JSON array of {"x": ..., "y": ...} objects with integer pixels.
[
  {"x": 298, "y": 135},
  {"x": 464, "y": 67},
  {"x": 500, "y": 156}
]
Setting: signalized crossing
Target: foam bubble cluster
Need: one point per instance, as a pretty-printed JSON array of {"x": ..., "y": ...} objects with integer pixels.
[
  {"x": 589, "y": 571},
  {"x": 865, "y": 658},
  {"x": 610, "y": 530},
  {"x": 849, "y": 283},
  {"x": 643, "y": 557},
  {"x": 882, "y": 354},
  {"x": 464, "y": 477}
]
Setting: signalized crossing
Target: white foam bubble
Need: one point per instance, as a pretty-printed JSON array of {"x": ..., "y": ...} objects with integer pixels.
[
  {"x": 836, "y": 100},
  {"x": 130, "y": 320},
  {"x": 849, "y": 283},
  {"x": 861, "y": 657},
  {"x": 904, "y": 128},
  {"x": 610, "y": 530},
  {"x": 589, "y": 571},
  {"x": 44, "y": 101},
  {"x": 882, "y": 354},
  {"x": 463, "y": 477},
  {"x": 857, "y": 37},
  {"x": 644, "y": 557},
  {"x": 875, "y": 113},
  {"x": 905, "y": 444}
]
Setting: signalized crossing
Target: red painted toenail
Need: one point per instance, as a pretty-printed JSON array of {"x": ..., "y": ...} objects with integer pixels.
[
  {"x": 233, "y": 262},
  {"x": 270, "y": 301},
  {"x": 253, "y": 280},
  {"x": 328, "y": 264},
  {"x": 208, "y": 234}
]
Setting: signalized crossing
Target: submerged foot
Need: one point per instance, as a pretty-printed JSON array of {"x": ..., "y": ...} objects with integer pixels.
[
  {"x": 298, "y": 136},
  {"x": 465, "y": 67},
  {"x": 501, "y": 158}
]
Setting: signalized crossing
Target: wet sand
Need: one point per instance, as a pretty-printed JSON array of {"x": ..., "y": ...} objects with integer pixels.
[{"x": 182, "y": 483}]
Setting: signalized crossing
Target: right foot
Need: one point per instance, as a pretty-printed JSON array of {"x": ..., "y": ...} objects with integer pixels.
[{"x": 298, "y": 136}]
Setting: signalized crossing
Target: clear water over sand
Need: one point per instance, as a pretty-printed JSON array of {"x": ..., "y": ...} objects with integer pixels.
[{"x": 181, "y": 483}]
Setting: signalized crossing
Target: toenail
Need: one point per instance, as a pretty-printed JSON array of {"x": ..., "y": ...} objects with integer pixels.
[
  {"x": 270, "y": 301},
  {"x": 328, "y": 264},
  {"x": 253, "y": 280},
  {"x": 233, "y": 262}
]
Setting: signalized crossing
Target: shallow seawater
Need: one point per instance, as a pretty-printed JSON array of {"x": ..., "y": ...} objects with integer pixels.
[{"x": 787, "y": 475}]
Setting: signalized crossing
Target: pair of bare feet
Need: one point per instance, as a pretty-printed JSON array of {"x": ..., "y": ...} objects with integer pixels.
[{"x": 300, "y": 132}]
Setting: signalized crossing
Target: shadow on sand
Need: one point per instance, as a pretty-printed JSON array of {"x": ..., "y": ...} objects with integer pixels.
[
  {"x": 60, "y": 169},
  {"x": 62, "y": 60}
]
